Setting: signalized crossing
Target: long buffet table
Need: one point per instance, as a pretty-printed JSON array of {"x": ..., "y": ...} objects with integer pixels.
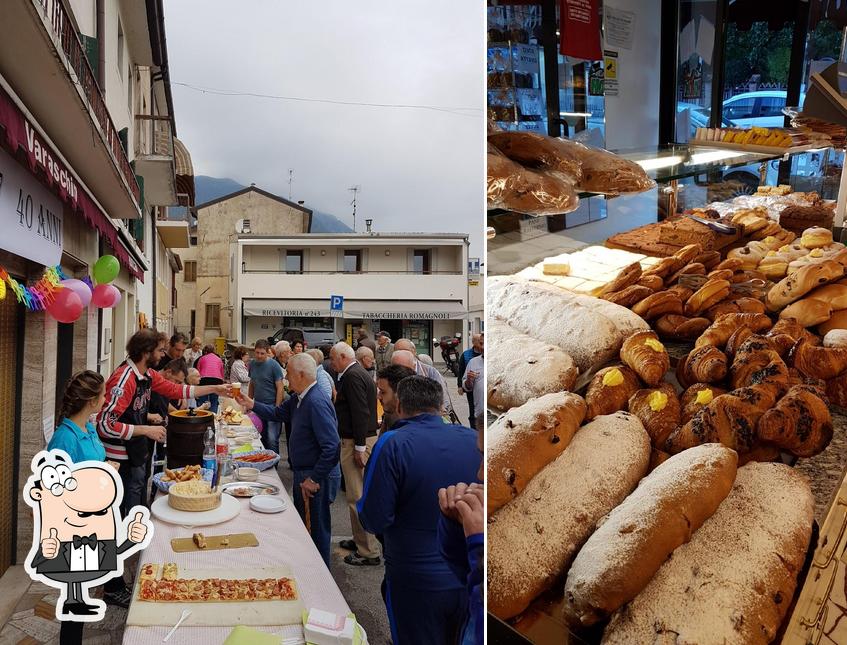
[{"x": 283, "y": 540}]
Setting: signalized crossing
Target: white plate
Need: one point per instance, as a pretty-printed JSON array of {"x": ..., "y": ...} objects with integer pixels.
[
  {"x": 267, "y": 504},
  {"x": 228, "y": 509}
]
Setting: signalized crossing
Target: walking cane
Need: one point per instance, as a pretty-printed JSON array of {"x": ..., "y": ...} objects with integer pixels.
[{"x": 308, "y": 504}]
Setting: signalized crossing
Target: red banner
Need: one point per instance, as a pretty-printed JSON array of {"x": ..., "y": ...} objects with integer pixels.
[
  {"x": 580, "y": 29},
  {"x": 28, "y": 147}
]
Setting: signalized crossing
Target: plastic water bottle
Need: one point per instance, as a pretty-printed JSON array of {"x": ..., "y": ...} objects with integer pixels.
[
  {"x": 221, "y": 443},
  {"x": 209, "y": 460}
]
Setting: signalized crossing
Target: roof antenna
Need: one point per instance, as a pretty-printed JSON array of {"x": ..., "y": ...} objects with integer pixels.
[{"x": 355, "y": 190}]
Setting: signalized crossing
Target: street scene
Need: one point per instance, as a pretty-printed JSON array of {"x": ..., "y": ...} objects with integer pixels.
[{"x": 241, "y": 322}]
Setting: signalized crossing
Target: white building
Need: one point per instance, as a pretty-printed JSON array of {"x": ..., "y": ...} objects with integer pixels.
[
  {"x": 86, "y": 134},
  {"x": 412, "y": 285}
]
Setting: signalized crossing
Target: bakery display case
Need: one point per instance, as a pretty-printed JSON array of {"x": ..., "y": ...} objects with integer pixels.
[{"x": 666, "y": 391}]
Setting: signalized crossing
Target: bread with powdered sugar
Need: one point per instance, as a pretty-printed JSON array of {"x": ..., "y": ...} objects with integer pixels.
[
  {"x": 532, "y": 540},
  {"x": 734, "y": 581}
]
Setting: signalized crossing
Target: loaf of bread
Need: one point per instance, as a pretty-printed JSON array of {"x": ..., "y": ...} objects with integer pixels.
[
  {"x": 808, "y": 311},
  {"x": 532, "y": 540},
  {"x": 734, "y": 581},
  {"x": 521, "y": 368},
  {"x": 588, "y": 329},
  {"x": 638, "y": 536},
  {"x": 539, "y": 151},
  {"x": 512, "y": 187},
  {"x": 527, "y": 438}
]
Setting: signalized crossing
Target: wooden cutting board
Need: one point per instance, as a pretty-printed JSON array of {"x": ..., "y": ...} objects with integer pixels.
[
  {"x": 213, "y": 542},
  {"x": 252, "y": 612}
]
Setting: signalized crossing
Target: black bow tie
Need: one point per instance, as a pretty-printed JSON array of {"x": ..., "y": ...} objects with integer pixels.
[{"x": 85, "y": 540}]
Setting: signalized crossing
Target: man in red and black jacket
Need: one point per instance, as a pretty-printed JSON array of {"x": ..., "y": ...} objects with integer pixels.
[{"x": 122, "y": 423}]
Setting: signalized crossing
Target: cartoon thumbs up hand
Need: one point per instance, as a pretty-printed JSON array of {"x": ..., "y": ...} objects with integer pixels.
[
  {"x": 137, "y": 529},
  {"x": 50, "y": 545}
]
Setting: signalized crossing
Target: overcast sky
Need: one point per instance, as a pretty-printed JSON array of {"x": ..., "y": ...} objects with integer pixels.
[{"x": 419, "y": 169}]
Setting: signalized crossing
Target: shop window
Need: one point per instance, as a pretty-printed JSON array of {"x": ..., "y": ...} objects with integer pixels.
[
  {"x": 213, "y": 316},
  {"x": 421, "y": 261},
  {"x": 352, "y": 261},
  {"x": 190, "y": 271},
  {"x": 294, "y": 262}
]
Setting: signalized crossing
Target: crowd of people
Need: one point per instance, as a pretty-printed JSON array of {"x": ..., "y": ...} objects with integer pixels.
[{"x": 377, "y": 421}]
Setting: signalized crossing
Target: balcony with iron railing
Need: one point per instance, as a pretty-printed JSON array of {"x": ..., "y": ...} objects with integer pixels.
[
  {"x": 154, "y": 159},
  {"x": 65, "y": 31},
  {"x": 46, "y": 69}
]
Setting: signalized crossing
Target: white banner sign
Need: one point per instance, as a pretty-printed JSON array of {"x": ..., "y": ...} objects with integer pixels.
[{"x": 30, "y": 217}]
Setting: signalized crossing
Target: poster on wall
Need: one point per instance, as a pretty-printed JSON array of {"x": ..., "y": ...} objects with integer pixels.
[
  {"x": 580, "y": 29},
  {"x": 596, "y": 79},
  {"x": 30, "y": 216},
  {"x": 618, "y": 27},
  {"x": 691, "y": 79}
]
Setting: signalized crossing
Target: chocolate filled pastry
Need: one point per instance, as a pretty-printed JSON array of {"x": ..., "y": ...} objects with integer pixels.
[
  {"x": 800, "y": 423},
  {"x": 706, "y": 364},
  {"x": 755, "y": 363}
]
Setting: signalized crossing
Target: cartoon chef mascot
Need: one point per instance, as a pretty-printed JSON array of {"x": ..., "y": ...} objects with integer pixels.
[{"x": 75, "y": 536}]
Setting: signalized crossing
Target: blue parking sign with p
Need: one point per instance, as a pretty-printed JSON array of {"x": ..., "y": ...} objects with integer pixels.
[{"x": 336, "y": 303}]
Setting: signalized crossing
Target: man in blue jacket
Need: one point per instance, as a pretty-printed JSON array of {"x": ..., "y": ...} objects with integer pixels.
[
  {"x": 315, "y": 446},
  {"x": 426, "y": 602}
]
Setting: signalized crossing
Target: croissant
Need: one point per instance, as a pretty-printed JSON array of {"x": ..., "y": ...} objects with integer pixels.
[
  {"x": 785, "y": 333},
  {"x": 726, "y": 324},
  {"x": 736, "y": 340},
  {"x": 706, "y": 364},
  {"x": 646, "y": 356},
  {"x": 681, "y": 292},
  {"x": 755, "y": 363},
  {"x": 629, "y": 275},
  {"x": 800, "y": 423},
  {"x": 658, "y": 409},
  {"x": 677, "y": 327},
  {"x": 628, "y": 296},
  {"x": 609, "y": 390},
  {"x": 709, "y": 294},
  {"x": 818, "y": 361},
  {"x": 729, "y": 419},
  {"x": 739, "y": 306},
  {"x": 695, "y": 397}
]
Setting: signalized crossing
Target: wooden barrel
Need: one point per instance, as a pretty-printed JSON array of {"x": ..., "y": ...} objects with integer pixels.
[{"x": 185, "y": 437}]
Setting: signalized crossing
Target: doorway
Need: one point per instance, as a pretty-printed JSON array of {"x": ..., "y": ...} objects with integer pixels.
[
  {"x": 64, "y": 360},
  {"x": 11, "y": 352}
]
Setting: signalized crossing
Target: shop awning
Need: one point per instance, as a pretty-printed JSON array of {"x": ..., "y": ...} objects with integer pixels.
[
  {"x": 372, "y": 309},
  {"x": 24, "y": 142}
]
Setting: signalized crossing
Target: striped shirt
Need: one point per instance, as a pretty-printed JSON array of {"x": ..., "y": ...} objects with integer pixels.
[{"x": 127, "y": 404}]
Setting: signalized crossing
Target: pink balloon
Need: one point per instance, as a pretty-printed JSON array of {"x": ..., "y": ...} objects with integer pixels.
[
  {"x": 102, "y": 296},
  {"x": 66, "y": 307},
  {"x": 116, "y": 295},
  {"x": 79, "y": 288}
]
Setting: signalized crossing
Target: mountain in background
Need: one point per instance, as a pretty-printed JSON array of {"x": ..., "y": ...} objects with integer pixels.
[{"x": 209, "y": 188}]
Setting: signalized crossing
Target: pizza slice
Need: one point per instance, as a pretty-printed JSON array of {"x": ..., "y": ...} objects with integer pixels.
[
  {"x": 149, "y": 571},
  {"x": 170, "y": 571}
]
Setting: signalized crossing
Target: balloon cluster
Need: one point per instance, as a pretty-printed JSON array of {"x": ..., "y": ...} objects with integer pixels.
[{"x": 65, "y": 298}]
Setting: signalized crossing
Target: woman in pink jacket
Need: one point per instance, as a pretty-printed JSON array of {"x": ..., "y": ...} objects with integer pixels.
[{"x": 211, "y": 369}]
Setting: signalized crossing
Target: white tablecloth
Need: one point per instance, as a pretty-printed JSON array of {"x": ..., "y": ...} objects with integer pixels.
[{"x": 282, "y": 540}]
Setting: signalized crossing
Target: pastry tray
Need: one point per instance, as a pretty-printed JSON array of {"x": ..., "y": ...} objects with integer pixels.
[
  {"x": 249, "y": 489},
  {"x": 745, "y": 147}
]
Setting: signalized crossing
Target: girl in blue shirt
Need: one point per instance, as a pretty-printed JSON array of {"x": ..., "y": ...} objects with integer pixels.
[{"x": 84, "y": 396}]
